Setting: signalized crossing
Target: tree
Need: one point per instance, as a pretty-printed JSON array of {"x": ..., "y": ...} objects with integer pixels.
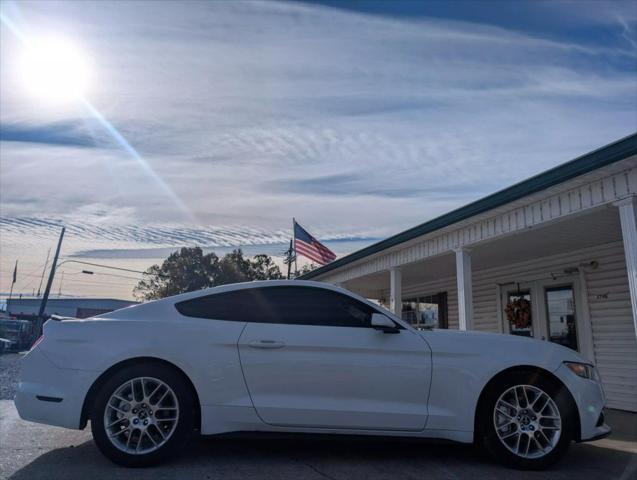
[
  {"x": 307, "y": 268},
  {"x": 233, "y": 268},
  {"x": 264, "y": 268},
  {"x": 189, "y": 269},
  {"x": 183, "y": 271}
]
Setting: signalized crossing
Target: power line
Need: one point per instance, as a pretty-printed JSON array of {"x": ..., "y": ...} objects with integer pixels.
[
  {"x": 31, "y": 274},
  {"x": 44, "y": 270}
]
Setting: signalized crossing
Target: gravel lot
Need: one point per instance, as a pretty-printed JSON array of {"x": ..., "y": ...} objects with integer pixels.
[{"x": 9, "y": 374}]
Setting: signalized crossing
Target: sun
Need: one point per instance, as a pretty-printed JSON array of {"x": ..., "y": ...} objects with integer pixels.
[{"x": 55, "y": 70}]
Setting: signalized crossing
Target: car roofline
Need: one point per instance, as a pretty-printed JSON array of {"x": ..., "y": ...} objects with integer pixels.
[{"x": 230, "y": 287}]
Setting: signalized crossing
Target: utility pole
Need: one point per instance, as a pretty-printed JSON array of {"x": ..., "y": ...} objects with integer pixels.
[
  {"x": 49, "y": 283},
  {"x": 15, "y": 272}
]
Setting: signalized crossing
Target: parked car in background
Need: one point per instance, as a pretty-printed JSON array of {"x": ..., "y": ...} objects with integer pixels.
[
  {"x": 300, "y": 356},
  {"x": 4, "y": 345},
  {"x": 18, "y": 332}
]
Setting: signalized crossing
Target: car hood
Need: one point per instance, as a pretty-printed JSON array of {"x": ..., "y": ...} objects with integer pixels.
[{"x": 508, "y": 348}]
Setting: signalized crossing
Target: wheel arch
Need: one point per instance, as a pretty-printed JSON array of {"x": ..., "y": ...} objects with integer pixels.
[
  {"x": 527, "y": 369},
  {"x": 90, "y": 395}
]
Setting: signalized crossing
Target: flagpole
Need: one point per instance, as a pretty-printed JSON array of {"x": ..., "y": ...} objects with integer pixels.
[
  {"x": 294, "y": 246},
  {"x": 289, "y": 258}
]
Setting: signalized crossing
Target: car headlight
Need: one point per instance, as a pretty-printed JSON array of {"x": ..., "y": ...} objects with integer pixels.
[{"x": 583, "y": 370}]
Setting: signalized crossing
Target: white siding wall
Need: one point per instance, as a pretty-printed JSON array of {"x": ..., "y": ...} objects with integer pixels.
[
  {"x": 614, "y": 342},
  {"x": 613, "y": 329}
]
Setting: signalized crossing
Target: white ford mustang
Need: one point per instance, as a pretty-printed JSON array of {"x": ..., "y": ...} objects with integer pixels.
[{"x": 297, "y": 356}]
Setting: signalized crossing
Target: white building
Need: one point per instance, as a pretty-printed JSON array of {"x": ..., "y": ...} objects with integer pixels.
[
  {"x": 66, "y": 307},
  {"x": 559, "y": 250}
]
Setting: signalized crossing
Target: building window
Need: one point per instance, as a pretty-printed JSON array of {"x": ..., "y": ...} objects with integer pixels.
[{"x": 426, "y": 311}]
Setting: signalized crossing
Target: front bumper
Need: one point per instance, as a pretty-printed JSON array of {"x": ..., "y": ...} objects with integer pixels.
[
  {"x": 51, "y": 395},
  {"x": 590, "y": 400},
  {"x": 606, "y": 433}
]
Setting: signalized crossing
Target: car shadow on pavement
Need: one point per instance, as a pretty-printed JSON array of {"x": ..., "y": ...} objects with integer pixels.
[{"x": 323, "y": 457}]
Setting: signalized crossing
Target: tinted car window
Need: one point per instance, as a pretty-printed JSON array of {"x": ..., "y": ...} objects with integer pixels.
[{"x": 287, "y": 305}]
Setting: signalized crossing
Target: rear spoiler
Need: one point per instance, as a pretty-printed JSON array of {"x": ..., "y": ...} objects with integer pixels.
[{"x": 60, "y": 318}]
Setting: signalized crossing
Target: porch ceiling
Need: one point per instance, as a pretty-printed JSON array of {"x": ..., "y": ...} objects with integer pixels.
[
  {"x": 369, "y": 286},
  {"x": 596, "y": 227}
]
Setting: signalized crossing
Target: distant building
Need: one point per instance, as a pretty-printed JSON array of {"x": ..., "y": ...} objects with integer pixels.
[{"x": 66, "y": 307}]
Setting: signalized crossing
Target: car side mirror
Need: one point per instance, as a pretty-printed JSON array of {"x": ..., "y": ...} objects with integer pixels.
[{"x": 384, "y": 323}]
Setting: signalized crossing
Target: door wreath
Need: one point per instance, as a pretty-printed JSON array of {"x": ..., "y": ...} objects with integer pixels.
[{"x": 518, "y": 313}]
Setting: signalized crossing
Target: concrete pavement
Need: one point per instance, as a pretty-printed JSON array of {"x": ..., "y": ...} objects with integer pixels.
[{"x": 31, "y": 451}]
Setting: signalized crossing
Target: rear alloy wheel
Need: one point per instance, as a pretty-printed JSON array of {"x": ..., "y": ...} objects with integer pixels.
[
  {"x": 528, "y": 421},
  {"x": 143, "y": 415}
]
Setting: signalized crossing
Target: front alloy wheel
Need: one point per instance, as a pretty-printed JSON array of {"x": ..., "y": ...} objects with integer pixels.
[{"x": 527, "y": 420}]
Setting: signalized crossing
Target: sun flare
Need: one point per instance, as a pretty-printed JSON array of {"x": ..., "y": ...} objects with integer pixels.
[{"x": 55, "y": 70}]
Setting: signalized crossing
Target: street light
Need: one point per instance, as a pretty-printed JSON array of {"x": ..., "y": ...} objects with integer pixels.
[
  {"x": 99, "y": 265},
  {"x": 55, "y": 266}
]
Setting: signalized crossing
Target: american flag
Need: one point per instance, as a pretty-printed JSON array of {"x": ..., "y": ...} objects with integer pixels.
[{"x": 308, "y": 246}]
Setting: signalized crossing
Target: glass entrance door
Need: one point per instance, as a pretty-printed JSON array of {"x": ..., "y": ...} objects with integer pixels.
[
  {"x": 544, "y": 309},
  {"x": 561, "y": 315}
]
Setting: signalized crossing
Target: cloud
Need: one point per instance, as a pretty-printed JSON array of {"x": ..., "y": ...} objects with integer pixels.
[
  {"x": 540, "y": 18},
  {"x": 92, "y": 235},
  {"x": 370, "y": 185},
  {"x": 94, "y": 226},
  {"x": 66, "y": 133}
]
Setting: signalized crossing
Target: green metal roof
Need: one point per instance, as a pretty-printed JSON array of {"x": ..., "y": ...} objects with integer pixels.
[{"x": 601, "y": 157}]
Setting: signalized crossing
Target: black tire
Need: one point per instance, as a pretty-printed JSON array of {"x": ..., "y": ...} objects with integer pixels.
[
  {"x": 182, "y": 432},
  {"x": 487, "y": 430}
]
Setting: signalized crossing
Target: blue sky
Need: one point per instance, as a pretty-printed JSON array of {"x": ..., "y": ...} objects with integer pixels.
[
  {"x": 359, "y": 118},
  {"x": 584, "y": 21}
]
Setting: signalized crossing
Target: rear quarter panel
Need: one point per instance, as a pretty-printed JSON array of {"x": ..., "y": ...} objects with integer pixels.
[{"x": 205, "y": 350}]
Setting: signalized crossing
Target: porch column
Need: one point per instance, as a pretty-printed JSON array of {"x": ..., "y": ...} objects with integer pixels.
[
  {"x": 628, "y": 217},
  {"x": 396, "y": 291},
  {"x": 465, "y": 290}
]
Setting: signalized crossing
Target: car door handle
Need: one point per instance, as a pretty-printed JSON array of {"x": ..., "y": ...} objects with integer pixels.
[{"x": 266, "y": 344}]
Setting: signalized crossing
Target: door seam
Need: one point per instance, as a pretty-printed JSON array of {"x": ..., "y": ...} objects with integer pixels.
[{"x": 245, "y": 380}]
